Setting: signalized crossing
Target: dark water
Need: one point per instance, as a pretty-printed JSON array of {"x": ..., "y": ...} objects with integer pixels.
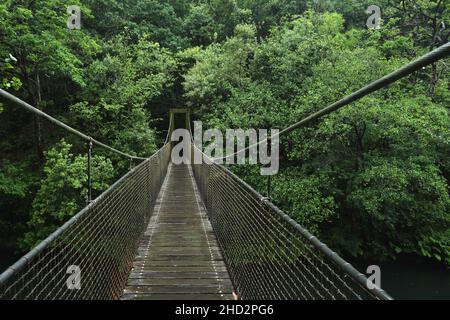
[
  {"x": 7, "y": 258},
  {"x": 411, "y": 277}
]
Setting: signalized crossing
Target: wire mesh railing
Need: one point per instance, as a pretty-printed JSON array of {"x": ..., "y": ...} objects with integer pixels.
[
  {"x": 268, "y": 255},
  {"x": 100, "y": 242}
]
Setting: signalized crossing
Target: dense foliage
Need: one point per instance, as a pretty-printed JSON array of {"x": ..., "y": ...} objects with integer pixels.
[{"x": 371, "y": 179}]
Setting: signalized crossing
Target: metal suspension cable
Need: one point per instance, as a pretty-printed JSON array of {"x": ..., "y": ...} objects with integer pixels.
[
  {"x": 427, "y": 59},
  {"x": 169, "y": 132},
  {"x": 6, "y": 96}
]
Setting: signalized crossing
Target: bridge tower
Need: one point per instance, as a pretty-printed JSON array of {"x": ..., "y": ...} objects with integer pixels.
[{"x": 172, "y": 122}]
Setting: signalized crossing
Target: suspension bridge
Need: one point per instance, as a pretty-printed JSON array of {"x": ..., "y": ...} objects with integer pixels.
[{"x": 189, "y": 231}]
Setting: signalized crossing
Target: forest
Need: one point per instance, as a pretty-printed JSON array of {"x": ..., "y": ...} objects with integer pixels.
[{"x": 369, "y": 180}]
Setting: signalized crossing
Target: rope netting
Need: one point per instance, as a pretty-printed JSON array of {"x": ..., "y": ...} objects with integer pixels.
[
  {"x": 99, "y": 243},
  {"x": 268, "y": 255}
]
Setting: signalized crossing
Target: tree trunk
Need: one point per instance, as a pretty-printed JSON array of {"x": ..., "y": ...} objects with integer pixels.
[
  {"x": 35, "y": 93},
  {"x": 434, "y": 72}
]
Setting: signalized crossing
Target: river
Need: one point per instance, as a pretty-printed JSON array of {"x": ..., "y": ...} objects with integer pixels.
[{"x": 411, "y": 277}]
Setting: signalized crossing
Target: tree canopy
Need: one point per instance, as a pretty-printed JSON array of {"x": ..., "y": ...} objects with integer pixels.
[{"x": 370, "y": 179}]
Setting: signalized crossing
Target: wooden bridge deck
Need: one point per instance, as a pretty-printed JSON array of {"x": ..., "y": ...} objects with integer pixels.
[{"x": 178, "y": 256}]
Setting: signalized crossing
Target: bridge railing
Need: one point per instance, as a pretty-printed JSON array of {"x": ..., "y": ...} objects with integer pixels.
[
  {"x": 100, "y": 242},
  {"x": 268, "y": 255}
]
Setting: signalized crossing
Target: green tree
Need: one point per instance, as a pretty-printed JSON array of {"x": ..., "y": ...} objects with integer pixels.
[
  {"x": 63, "y": 190},
  {"x": 8, "y": 81},
  {"x": 199, "y": 26},
  {"x": 123, "y": 86},
  {"x": 219, "y": 69},
  {"x": 35, "y": 33},
  {"x": 371, "y": 179},
  {"x": 159, "y": 20}
]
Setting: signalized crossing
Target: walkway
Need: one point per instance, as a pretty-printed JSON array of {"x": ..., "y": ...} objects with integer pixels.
[{"x": 178, "y": 256}]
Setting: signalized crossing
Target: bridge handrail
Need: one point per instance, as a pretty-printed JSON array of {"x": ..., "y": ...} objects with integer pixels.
[
  {"x": 421, "y": 62},
  {"x": 19, "y": 264},
  {"x": 345, "y": 266},
  {"x": 148, "y": 178},
  {"x": 427, "y": 59},
  {"x": 8, "y": 97}
]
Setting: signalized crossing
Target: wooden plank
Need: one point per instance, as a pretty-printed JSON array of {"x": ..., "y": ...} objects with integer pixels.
[
  {"x": 184, "y": 282},
  {"x": 197, "y": 268},
  {"x": 175, "y": 296},
  {"x": 177, "y": 288},
  {"x": 179, "y": 275},
  {"x": 182, "y": 263},
  {"x": 178, "y": 256}
]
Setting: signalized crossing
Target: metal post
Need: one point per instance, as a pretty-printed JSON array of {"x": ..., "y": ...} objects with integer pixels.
[
  {"x": 89, "y": 171},
  {"x": 269, "y": 177}
]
